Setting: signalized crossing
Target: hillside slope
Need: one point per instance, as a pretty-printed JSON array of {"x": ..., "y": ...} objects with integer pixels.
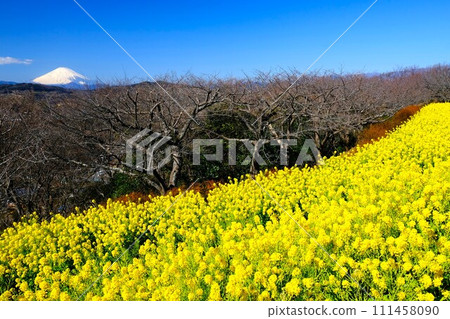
[{"x": 373, "y": 225}]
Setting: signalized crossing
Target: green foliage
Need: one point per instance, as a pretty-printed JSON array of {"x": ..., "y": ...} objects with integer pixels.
[{"x": 122, "y": 184}]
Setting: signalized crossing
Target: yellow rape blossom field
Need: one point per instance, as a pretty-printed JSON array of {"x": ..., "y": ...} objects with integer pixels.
[{"x": 373, "y": 224}]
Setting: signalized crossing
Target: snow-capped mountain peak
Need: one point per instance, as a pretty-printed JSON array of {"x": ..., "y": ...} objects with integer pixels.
[{"x": 61, "y": 76}]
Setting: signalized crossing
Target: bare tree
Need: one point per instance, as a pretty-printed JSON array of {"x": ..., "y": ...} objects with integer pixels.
[
  {"x": 437, "y": 80},
  {"x": 100, "y": 122}
]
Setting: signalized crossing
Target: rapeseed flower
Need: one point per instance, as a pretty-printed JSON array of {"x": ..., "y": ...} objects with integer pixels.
[{"x": 381, "y": 212}]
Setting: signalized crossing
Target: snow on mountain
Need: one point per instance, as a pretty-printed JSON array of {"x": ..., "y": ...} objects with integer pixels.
[{"x": 62, "y": 77}]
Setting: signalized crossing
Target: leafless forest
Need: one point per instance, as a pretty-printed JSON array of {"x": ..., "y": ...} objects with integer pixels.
[{"x": 60, "y": 149}]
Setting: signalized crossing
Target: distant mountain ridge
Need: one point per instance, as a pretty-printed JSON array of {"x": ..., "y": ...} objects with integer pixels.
[{"x": 16, "y": 87}]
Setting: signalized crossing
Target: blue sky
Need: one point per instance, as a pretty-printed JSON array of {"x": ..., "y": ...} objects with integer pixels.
[{"x": 225, "y": 38}]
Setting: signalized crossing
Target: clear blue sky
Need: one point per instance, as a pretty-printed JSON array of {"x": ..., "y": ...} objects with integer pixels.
[{"x": 226, "y": 38}]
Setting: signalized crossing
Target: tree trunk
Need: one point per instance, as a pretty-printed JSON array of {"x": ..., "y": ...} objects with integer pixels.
[
  {"x": 176, "y": 166},
  {"x": 319, "y": 159}
]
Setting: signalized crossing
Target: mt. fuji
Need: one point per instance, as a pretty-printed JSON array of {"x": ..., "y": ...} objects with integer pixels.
[{"x": 62, "y": 77}]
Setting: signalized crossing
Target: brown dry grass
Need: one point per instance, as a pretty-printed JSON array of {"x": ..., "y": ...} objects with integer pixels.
[
  {"x": 378, "y": 130},
  {"x": 203, "y": 188}
]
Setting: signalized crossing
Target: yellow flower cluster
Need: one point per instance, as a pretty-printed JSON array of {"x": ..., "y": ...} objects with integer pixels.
[{"x": 381, "y": 214}]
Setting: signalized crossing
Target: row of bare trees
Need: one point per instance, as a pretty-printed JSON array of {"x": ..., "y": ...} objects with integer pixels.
[{"x": 61, "y": 149}]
